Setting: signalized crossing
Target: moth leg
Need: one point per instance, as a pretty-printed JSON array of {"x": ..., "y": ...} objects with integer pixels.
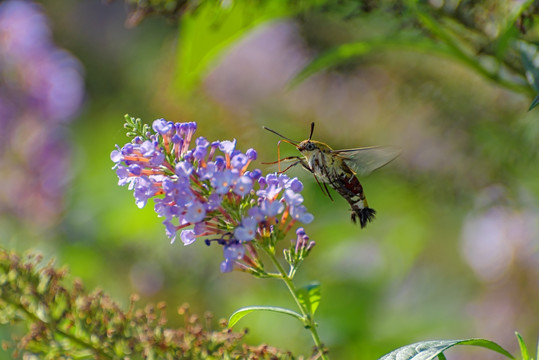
[
  {"x": 289, "y": 166},
  {"x": 324, "y": 189},
  {"x": 305, "y": 165},
  {"x": 327, "y": 191}
]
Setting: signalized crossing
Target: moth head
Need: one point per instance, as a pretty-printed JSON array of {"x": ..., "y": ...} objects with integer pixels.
[{"x": 307, "y": 146}]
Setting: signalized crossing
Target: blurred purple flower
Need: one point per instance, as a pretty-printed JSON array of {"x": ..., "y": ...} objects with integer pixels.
[{"x": 40, "y": 87}]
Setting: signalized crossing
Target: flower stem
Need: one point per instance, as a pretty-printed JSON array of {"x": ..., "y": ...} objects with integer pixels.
[{"x": 308, "y": 319}]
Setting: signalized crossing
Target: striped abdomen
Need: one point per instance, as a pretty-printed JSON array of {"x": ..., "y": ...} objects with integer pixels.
[
  {"x": 349, "y": 187},
  {"x": 338, "y": 175}
]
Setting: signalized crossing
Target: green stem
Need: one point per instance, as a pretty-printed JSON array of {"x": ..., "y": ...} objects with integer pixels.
[{"x": 308, "y": 320}]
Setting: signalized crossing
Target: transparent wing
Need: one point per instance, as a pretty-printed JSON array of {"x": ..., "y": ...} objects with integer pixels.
[{"x": 363, "y": 161}]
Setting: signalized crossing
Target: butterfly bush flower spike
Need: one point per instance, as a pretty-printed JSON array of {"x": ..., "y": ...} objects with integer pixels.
[{"x": 203, "y": 189}]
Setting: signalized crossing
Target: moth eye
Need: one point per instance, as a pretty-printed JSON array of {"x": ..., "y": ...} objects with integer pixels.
[{"x": 310, "y": 146}]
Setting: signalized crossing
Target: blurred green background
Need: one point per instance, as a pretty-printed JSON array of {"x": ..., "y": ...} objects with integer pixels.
[{"x": 453, "y": 251}]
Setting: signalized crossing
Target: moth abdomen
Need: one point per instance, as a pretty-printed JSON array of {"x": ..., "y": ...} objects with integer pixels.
[{"x": 364, "y": 215}]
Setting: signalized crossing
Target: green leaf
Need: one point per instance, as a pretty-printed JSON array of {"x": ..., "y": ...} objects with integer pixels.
[
  {"x": 503, "y": 41},
  {"x": 332, "y": 58},
  {"x": 523, "y": 348},
  {"x": 309, "y": 297},
  {"x": 429, "y": 350},
  {"x": 534, "y": 103},
  {"x": 236, "y": 316},
  {"x": 206, "y": 32},
  {"x": 530, "y": 56},
  {"x": 509, "y": 30},
  {"x": 345, "y": 52}
]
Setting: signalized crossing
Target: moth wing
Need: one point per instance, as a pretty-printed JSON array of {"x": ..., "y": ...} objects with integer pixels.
[{"x": 365, "y": 160}]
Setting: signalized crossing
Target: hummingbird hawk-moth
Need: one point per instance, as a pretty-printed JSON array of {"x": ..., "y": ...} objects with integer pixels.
[{"x": 340, "y": 168}]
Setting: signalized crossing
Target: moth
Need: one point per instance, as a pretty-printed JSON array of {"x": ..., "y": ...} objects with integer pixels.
[{"x": 339, "y": 169}]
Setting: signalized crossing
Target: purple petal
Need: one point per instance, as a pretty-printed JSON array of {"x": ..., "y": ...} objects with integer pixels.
[
  {"x": 251, "y": 154},
  {"x": 184, "y": 169},
  {"x": 227, "y": 266},
  {"x": 295, "y": 185},
  {"x": 243, "y": 186},
  {"x": 162, "y": 126},
  {"x": 188, "y": 237},
  {"x": 234, "y": 251},
  {"x": 116, "y": 156},
  {"x": 292, "y": 198},
  {"x": 227, "y": 146},
  {"x": 239, "y": 161}
]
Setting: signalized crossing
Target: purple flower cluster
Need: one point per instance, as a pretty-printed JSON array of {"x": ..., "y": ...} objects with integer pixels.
[
  {"x": 203, "y": 189},
  {"x": 41, "y": 86}
]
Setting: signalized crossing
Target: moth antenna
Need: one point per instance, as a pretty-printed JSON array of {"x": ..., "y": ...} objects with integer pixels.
[
  {"x": 312, "y": 130},
  {"x": 290, "y": 141}
]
